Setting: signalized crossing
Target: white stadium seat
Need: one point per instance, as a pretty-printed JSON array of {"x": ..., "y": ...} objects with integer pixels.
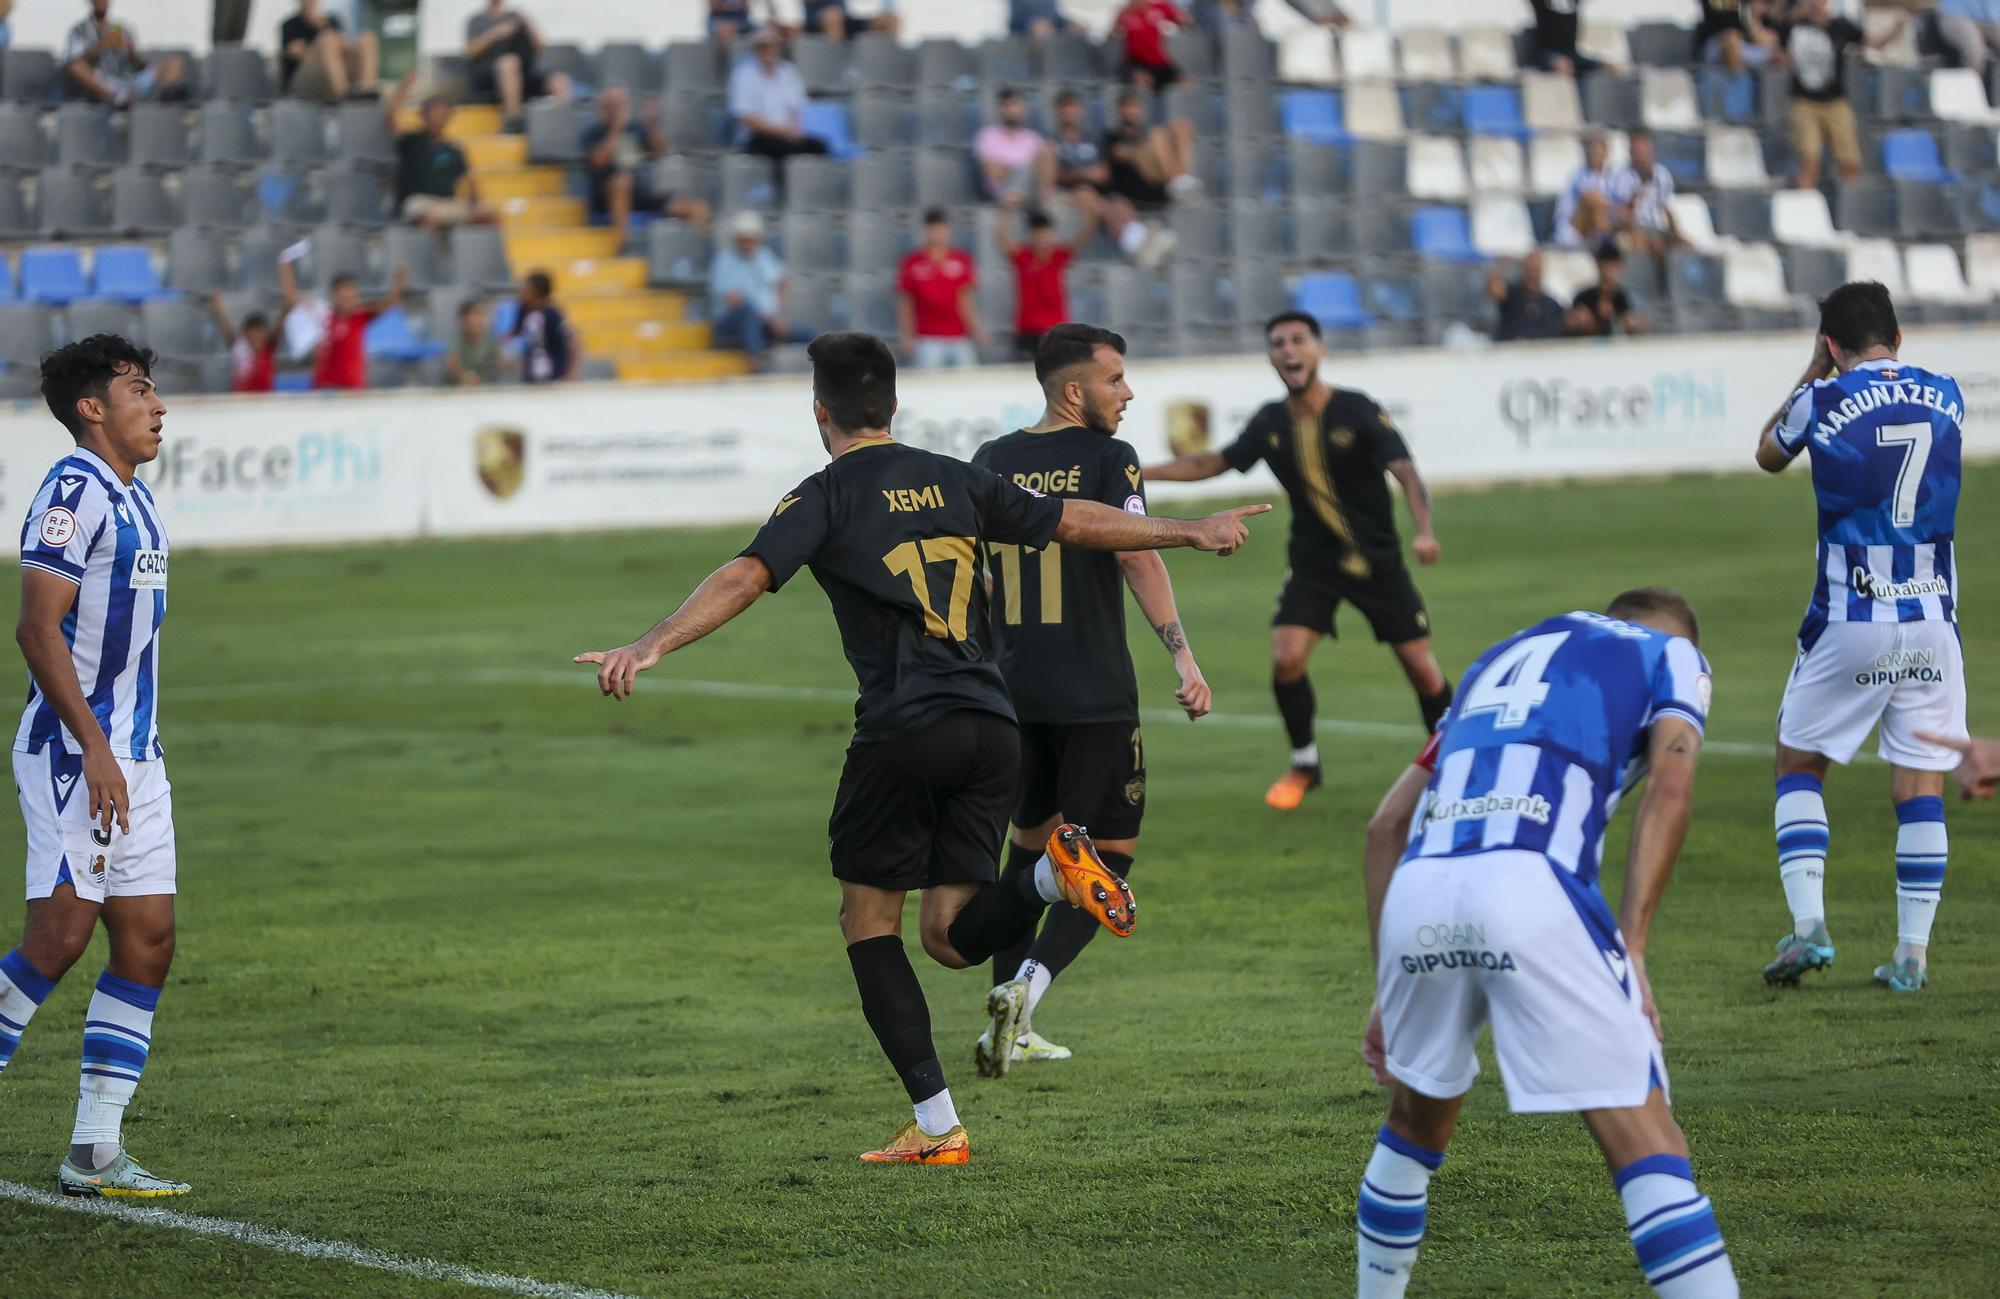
[
  {"x": 1426, "y": 55},
  {"x": 1959, "y": 95},
  {"x": 1306, "y": 58},
  {"x": 1667, "y": 100},
  {"x": 1567, "y": 272},
  {"x": 1606, "y": 43},
  {"x": 1754, "y": 276},
  {"x": 1694, "y": 223},
  {"x": 1982, "y": 264},
  {"x": 1435, "y": 168},
  {"x": 1876, "y": 259},
  {"x": 1486, "y": 54},
  {"x": 1801, "y": 218},
  {"x": 1934, "y": 275},
  {"x": 1552, "y": 160},
  {"x": 1374, "y": 112},
  {"x": 1501, "y": 227},
  {"x": 1496, "y": 165},
  {"x": 1367, "y": 53},
  {"x": 1736, "y": 158},
  {"x": 1549, "y": 102}
]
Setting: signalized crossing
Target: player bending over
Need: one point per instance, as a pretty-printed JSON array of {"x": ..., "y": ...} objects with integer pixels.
[
  {"x": 1494, "y": 912},
  {"x": 892, "y": 534},
  {"x": 1880, "y": 642},
  {"x": 1330, "y": 448},
  {"x": 87, "y": 757},
  {"x": 1062, "y": 650}
]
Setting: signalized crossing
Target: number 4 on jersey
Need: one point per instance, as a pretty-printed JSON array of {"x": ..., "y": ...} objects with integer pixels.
[{"x": 1512, "y": 684}]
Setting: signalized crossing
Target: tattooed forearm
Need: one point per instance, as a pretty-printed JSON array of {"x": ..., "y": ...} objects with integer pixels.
[{"x": 1172, "y": 637}]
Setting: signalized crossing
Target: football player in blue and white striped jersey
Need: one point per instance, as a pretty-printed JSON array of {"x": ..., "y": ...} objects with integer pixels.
[{"x": 1879, "y": 644}]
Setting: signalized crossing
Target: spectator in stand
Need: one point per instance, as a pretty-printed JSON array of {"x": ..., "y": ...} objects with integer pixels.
[
  {"x": 1077, "y": 162},
  {"x": 1040, "y": 265},
  {"x": 1150, "y": 166},
  {"x": 253, "y": 352},
  {"x": 1014, "y": 161},
  {"x": 1642, "y": 196},
  {"x": 341, "y": 358},
  {"x": 474, "y": 357},
  {"x": 728, "y": 19},
  {"x": 615, "y": 148},
  {"x": 1526, "y": 313},
  {"x": 830, "y": 18},
  {"x": 317, "y": 61},
  {"x": 1734, "y": 34},
  {"x": 505, "y": 52},
  {"x": 767, "y": 97},
  {"x": 1816, "y": 46},
  {"x": 1144, "y": 25},
  {"x": 549, "y": 350},
  {"x": 1971, "y": 28},
  {"x": 101, "y": 61},
  {"x": 1605, "y": 308},
  {"x": 746, "y": 292},
  {"x": 1038, "y": 19},
  {"x": 434, "y": 187},
  {"x": 1584, "y": 217},
  {"x": 935, "y": 314},
  {"x": 1555, "y": 39}
]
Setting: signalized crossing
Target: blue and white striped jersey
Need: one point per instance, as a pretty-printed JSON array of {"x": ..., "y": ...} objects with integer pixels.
[
  {"x": 89, "y": 528},
  {"x": 1542, "y": 738},
  {"x": 1885, "y": 458}
]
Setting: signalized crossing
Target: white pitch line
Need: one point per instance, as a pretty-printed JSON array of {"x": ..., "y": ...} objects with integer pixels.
[
  {"x": 809, "y": 695},
  {"x": 290, "y": 1242}
]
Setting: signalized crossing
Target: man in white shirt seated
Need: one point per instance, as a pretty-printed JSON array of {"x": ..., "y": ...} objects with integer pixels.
[{"x": 767, "y": 101}]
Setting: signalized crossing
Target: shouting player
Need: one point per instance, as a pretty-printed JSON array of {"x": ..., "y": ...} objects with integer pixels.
[
  {"x": 1880, "y": 642},
  {"x": 1062, "y": 649},
  {"x": 892, "y": 534},
  {"x": 1330, "y": 447},
  {"x": 1494, "y": 913},
  {"x": 87, "y": 757}
]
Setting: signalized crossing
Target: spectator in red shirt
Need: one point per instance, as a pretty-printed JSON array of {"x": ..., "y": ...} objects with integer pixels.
[
  {"x": 341, "y": 360},
  {"x": 1144, "y": 24},
  {"x": 935, "y": 314},
  {"x": 1040, "y": 265},
  {"x": 253, "y": 353}
]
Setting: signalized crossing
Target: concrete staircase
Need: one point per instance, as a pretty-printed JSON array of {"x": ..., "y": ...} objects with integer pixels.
[{"x": 645, "y": 333}]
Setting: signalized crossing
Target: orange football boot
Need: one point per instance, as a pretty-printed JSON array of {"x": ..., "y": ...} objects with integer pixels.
[
  {"x": 1088, "y": 884},
  {"x": 1291, "y": 789},
  {"x": 912, "y": 1145}
]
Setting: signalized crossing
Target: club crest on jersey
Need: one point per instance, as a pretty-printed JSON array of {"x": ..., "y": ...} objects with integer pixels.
[
  {"x": 149, "y": 570},
  {"x": 58, "y": 526}
]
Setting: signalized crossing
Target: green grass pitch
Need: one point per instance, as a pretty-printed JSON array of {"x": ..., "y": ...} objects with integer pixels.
[{"x": 477, "y": 966}]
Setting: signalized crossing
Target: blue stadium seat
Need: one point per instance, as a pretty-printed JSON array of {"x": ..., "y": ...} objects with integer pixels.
[
  {"x": 1443, "y": 232},
  {"x": 1333, "y": 299},
  {"x": 391, "y": 337},
  {"x": 1727, "y": 96},
  {"x": 1315, "y": 115},
  {"x": 291, "y": 381},
  {"x": 505, "y": 312},
  {"x": 829, "y": 122},
  {"x": 1495, "y": 110},
  {"x": 53, "y": 275},
  {"x": 1913, "y": 155},
  {"x": 126, "y": 272},
  {"x": 8, "y": 293}
]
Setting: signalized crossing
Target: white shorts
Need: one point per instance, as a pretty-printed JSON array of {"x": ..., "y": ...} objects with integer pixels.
[
  {"x": 1497, "y": 936},
  {"x": 1908, "y": 676},
  {"x": 64, "y": 844}
]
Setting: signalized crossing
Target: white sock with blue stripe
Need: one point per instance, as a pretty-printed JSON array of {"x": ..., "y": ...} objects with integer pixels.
[
  {"x": 23, "y": 988},
  {"x": 1921, "y": 850},
  {"x": 117, "y": 1037},
  {"x": 1389, "y": 1220},
  {"x": 1673, "y": 1230},
  {"x": 1802, "y": 844}
]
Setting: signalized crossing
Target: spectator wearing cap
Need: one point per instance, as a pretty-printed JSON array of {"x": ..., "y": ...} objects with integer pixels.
[
  {"x": 1525, "y": 312},
  {"x": 831, "y": 19},
  {"x": 935, "y": 315},
  {"x": 1038, "y": 19},
  {"x": 616, "y": 149},
  {"x": 1584, "y": 217},
  {"x": 1143, "y": 26},
  {"x": 767, "y": 97},
  {"x": 1040, "y": 268},
  {"x": 505, "y": 52},
  {"x": 102, "y": 61},
  {"x": 549, "y": 349},
  {"x": 746, "y": 292},
  {"x": 434, "y": 186},
  {"x": 317, "y": 60},
  {"x": 1605, "y": 308},
  {"x": 1013, "y": 157}
]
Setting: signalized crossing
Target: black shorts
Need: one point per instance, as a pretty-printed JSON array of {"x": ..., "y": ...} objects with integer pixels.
[
  {"x": 1388, "y": 599},
  {"x": 486, "y": 86},
  {"x": 928, "y": 808},
  {"x": 1092, "y": 773}
]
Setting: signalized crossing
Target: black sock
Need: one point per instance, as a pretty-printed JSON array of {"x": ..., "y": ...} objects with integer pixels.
[
  {"x": 1295, "y": 705},
  {"x": 1068, "y": 930},
  {"x": 1007, "y": 961},
  {"x": 999, "y": 915},
  {"x": 1434, "y": 706},
  {"x": 894, "y": 1003}
]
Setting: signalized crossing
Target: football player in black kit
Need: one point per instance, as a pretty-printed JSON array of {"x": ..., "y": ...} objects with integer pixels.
[
  {"x": 892, "y": 534},
  {"x": 1061, "y": 638},
  {"x": 1330, "y": 448}
]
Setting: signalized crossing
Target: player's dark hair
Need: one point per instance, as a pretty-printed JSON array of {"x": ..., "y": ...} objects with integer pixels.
[
  {"x": 936, "y": 216},
  {"x": 344, "y": 277},
  {"x": 854, "y": 377},
  {"x": 540, "y": 282},
  {"x": 1305, "y": 318},
  {"x": 1007, "y": 93},
  {"x": 1662, "y": 603},
  {"x": 1072, "y": 345},
  {"x": 1859, "y": 316},
  {"x": 1068, "y": 97},
  {"x": 469, "y": 306},
  {"x": 86, "y": 368},
  {"x": 256, "y": 320},
  {"x": 1609, "y": 253},
  {"x": 1039, "y": 220}
]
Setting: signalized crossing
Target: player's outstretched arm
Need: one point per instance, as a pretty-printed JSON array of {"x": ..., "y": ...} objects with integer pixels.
[
  {"x": 1146, "y": 573},
  {"x": 1093, "y": 526},
  {"x": 1388, "y": 833},
  {"x": 1658, "y": 830},
  {"x": 1194, "y": 468},
  {"x": 726, "y": 592}
]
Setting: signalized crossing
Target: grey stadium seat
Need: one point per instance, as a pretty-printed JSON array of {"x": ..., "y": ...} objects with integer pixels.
[
  {"x": 1815, "y": 272},
  {"x": 1742, "y": 214},
  {"x": 197, "y": 262},
  {"x": 1253, "y": 110},
  {"x": 1866, "y": 207},
  {"x": 815, "y": 183},
  {"x": 1612, "y": 102},
  {"x": 140, "y": 204},
  {"x": 158, "y": 136},
  {"x": 572, "y": 61},
  {"x": 17, "y": 216},
  {"x": 418, "y": 249},
  {"x": 72, "y": 205},
  {"x": 28, "y": 76},
  {"x": 880, "y": 61},
  {"x": 363, "y": 134},
  {"x": 25, "y": 333},
  {"x": 23, "y": 146},
  {"x": 1256, "y": 228},
  {"x": 1323, "y": 228},
  {"x": 746, "y": 182},
  {"x": 1379, "y": 228},
  {"x": 947, "y": 118},
  {"x": 257, "y": 255},
  {"x": 1198, "y": 230},
  {"x": 479, "y": 259},
  {"x": 88, "y": 316},
  {"x": 1318, "y": 170},
  {"x": 809, "y": 242},
  {"x": 677, "y": 253},
  {"x": 85, "y": 138},
  {"x": 688, "y": 120},
  {"x": 356, "y": 196},
  {"x": 691, "y": 65},
  {"x": 179, "y": 331},
  {"x": 213, "y": 196},
  {"x": 822, "y": 64},
  {"x": 1005, "y": 61},
  {"x": 1192, "y": 52},
  {"x": 228, "y": 136},
  {"x": 1379, "y": 168},
  {"x": 337, "y": 251},
  {"x": 945, "y": 63},
  {"x": 1070, "y": 58},
  {"x": 298, "y": 134},
  {"x": 944, "y": 179},
  {"x": 885, "y": 179},
  {"x": 686, "y": 174},
  {"x": 239, "y": 74},
  {"x": 629, "y": 66},
  {"x": 878, "y": 240},
  {"x": 555, "y": 131},
  {"x": 883, "y": 119},
  {"x": 871, "y": 301},
  {"x": 1247, "y": 55}
]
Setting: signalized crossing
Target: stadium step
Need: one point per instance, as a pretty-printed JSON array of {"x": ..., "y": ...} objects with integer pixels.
[
  {"x": 501, "y": 184},
  {"x": 469, "y": 121},
  {"x": 592, "y": 275},
  {"x": 628, "y": 309},
  {"x": 643, "y": 338},
  {"x": 582, "y": 244},
  {"x": 544, "y": 212},
  {"x": 495, "y": 151},
  {"x": 684, "y": 367}
]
